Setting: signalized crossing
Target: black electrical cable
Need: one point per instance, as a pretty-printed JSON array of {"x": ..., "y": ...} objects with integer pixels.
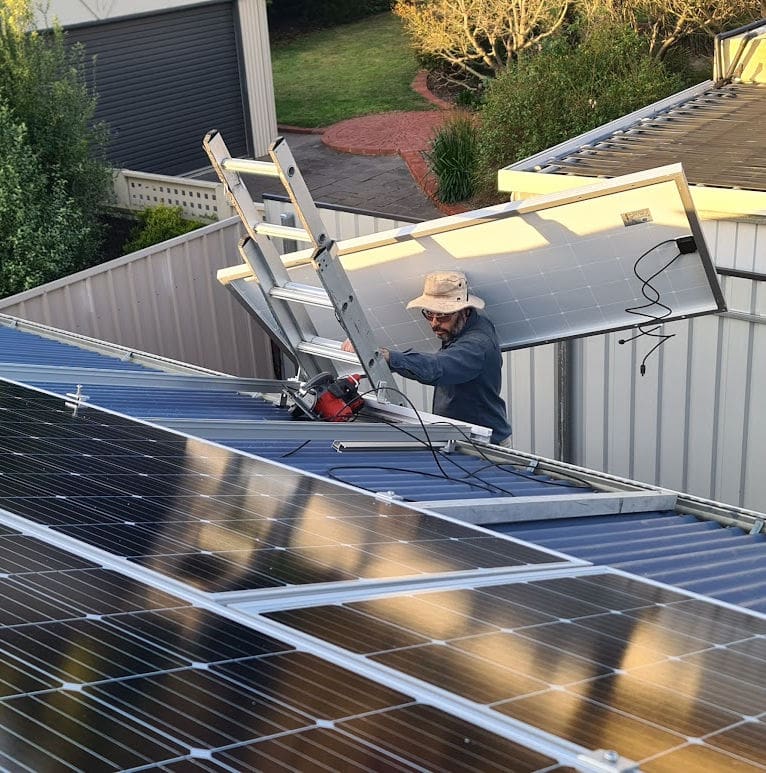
[
  {"x": 478, "y": 447},
  {"x": 429, "y": 445},
  {"x": 296, "y": 449},
  {"x": 501, "y": 466},
  {"x": 440, "y": 457},
  {"x": 653, "y": 300},
  {"x": 489, "y": 487}
]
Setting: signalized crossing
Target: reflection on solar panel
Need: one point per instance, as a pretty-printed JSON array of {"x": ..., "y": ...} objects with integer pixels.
[
  {"x": 536, "y": 666},
  {"x": 119, "y": 675},
  {"x": 212, "y": 517},
  {"x": 601, "y": 660}
]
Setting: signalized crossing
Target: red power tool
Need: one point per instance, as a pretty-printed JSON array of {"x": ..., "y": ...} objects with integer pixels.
[{"x": 327, "y": 398}]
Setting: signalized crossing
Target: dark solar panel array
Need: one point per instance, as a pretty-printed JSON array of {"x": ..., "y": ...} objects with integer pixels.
[
  {"x": 212, "y": 517},
  {"x": 104, "y": 672},
  {"x": 604, "y": 661},
  {"x": 100, "y": 672},
  {"x": 714, "y": 135}
]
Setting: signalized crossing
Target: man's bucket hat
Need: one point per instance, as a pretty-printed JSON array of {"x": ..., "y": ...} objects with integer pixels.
[{"x": 445, "y": 292}]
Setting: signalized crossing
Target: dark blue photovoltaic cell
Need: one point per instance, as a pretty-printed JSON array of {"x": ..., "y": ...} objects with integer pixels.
[
  {"x": 601, "y": 660},
  {"x": 211, "y": 517},
  {"x": 119, "y": 675}
]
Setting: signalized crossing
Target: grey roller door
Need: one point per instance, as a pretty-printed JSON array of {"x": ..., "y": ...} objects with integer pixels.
[{"x": 163, "y": 81}]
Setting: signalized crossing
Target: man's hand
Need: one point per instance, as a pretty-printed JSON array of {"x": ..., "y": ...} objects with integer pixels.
[{"x": 347, "y": 346}]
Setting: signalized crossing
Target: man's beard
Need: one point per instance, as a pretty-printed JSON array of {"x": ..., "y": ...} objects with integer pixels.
[{"x": 456, "y": 330}]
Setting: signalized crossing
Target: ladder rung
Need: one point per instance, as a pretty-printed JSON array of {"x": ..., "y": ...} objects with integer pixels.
[
  {"x": 325, "y": 347},
  {"x": 292, "y": 291},
  {"x": 283, "y": 232},
  {"x": 249, "y": 166}
]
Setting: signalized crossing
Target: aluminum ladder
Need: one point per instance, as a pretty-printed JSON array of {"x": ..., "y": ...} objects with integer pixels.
[{"x": 276, "y": 301}]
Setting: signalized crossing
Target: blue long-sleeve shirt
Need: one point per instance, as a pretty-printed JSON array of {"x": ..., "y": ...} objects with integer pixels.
[{"x": 466, "y": 374}]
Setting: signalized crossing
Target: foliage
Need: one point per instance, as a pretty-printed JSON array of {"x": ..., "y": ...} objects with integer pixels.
[
  {"x": 668, "y": 22},
  {"x": 156, "y": 224},
  {"x": 333, "y": 74},
  {"x": 453, "y": 158},
  {"x": 564, "y": 90},
  {"x": 477, "y": 38},
  {"x": 49, "y": 108},
  {"x": 40, "y": 225},
  {"x": 309, "y": 14}
]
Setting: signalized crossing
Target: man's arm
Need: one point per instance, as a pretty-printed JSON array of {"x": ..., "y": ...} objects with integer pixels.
[{"x": 463, "y": 360}]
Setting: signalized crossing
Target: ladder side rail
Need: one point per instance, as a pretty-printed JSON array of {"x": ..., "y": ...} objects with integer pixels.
[
  {"x": 298, "y": 191},
  {"x": 353, "y": 320},
  {"x": 293, "y": 322},
  {"x": 239, "y": 196}
]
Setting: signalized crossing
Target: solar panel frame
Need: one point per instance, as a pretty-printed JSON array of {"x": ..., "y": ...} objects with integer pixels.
[
  {"x": 169, "y": 523},
  {"x": 550, "y": 268}
]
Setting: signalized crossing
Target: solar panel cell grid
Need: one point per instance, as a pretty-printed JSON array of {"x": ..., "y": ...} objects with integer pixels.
[
  {"x": 105, "y": 672},
  {"x": 96, "y": 591},
  {"x": 24, "y": 554},
  {"x": 265, "y": 525},
  {"x": 177, "y": 687},
  {"x": 637, "y": 668}
]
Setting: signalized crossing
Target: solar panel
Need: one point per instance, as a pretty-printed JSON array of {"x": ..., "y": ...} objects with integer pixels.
[
  {"x": 600, "y": 258},
  {"x": 122, "y": 681},
  {"x": 601, "y": 660},
  {"x": 530, "y": 668},
  {"x": 212, "y": 517}
]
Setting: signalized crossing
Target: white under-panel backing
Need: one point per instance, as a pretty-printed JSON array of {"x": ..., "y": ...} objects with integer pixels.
[{"x": 613, "y": 255}]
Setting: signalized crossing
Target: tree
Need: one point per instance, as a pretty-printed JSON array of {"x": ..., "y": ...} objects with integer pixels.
[
  {"x": 667, "y": 22},
  {"x": 566, "y": 89},
  {"x": 62, "y": 180},
  {"x": 39, "y": 222},
  {"x": 480, "y": 37}
]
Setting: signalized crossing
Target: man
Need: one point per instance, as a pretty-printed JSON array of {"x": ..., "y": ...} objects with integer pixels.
[{"x": 466, "y": 370}]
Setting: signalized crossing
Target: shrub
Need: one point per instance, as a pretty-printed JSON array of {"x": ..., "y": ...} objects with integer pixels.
[
  {"x": 309, "y": 14},
  {"x": 564, "y": 90},
  {"x": 480, "y": 38},
  {"x": 49, "y": 109},
  {"x": 156, "y": 224},
  {"x": 41, "y": 227},
  {"x": 453, "y": 158}
]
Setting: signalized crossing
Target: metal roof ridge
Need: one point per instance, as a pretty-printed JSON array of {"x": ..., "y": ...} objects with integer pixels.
[{"x": 124, "y": 353}]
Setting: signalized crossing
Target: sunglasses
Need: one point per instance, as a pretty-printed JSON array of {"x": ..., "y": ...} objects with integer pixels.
[{"x": 432, "y": 315}]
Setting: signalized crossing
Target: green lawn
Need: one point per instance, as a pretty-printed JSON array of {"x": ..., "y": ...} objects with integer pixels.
[{"x": 355, "y": 69}]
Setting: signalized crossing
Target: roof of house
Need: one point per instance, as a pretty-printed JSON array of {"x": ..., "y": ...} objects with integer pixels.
[
  {"x": 646, "y": 542},
  {"x": 710, "y": 133},
  {"x": 224, "y": 610}
]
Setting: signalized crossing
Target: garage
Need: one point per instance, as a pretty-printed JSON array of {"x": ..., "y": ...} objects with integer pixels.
[{"x": 165, "y": 79}]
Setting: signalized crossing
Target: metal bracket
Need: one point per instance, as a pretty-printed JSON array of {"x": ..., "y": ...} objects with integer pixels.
[
  {"x": 609, "y": 761},
  {"x": 388, "y": 496},
  {"x": 532, "y": 466},
  {"x": 79, "y": 399}
]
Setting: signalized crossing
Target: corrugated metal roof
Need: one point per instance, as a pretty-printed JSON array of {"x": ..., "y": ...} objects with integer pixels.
[
  {"x": 713, "y": 135},
  {"x": 682, "y": 550},
  {"x": 156, "y": 403},
  {"x": 414, "y": 475},
  {"x": 19, "y": 347},
  {"x": 701, "y": 556}
]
